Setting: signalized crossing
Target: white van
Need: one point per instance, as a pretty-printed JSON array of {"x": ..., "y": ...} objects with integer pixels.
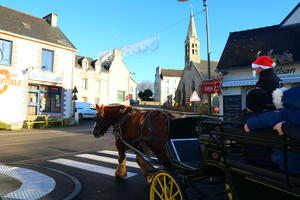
[{"x": 85, "y": 110}]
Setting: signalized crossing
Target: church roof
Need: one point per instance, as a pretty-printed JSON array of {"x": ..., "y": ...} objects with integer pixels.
[{"x": 202, "y": 68}]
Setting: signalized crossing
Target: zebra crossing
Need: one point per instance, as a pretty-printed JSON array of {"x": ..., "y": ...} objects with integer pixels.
[{"x": 105, "y": 158}]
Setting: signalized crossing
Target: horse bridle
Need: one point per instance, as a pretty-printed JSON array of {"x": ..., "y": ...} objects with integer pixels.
[{"x": 111, "y": 121}]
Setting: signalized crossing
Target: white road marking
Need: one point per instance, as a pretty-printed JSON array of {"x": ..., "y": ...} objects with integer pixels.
[
  {"x": 89, "y": 167},
  {"x": 34, "y": 184},
  {"x": 115, "y": 153},
  {"x": 107, "y": 159}
]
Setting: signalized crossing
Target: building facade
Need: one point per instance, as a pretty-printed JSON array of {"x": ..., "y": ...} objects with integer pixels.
[
  {"x": 105, "y": 81},
  {"x": 195, "y": 70},
  {"x": 35, "y": 68},
  {"x": 280, "y": 42},
  {"x": 165, "y": 85}
]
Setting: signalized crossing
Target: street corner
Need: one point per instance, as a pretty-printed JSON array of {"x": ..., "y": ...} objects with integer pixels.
[{"x": 36, "y": 182}]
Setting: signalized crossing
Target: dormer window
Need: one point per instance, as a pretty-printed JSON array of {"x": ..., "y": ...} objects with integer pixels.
[
  {"x": 97, "y": 66},
  {"x": 85, "y": 64}
]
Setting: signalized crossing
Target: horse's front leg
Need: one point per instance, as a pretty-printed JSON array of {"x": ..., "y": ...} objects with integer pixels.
[{"x": 121, "y": 169}]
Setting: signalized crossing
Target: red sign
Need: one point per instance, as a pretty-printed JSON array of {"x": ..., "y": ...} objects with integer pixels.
[
  {"x": 211, "y": 86},
  {"x": 216, "y": 109},
  {"x": 127, "y": 98}
]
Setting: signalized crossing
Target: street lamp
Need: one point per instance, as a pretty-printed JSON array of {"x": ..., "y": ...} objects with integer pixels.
[{"x": 208, "y": 49}]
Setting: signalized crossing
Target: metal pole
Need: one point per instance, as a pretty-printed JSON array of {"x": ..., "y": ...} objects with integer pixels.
[{"x": 208, "y": 53}]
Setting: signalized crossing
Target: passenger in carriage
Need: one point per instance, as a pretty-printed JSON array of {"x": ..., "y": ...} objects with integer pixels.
[
  {"x": 260, "y": 156},
  {"x": 286, "y": 120},
  {"x": 287, "y": 102},
  {"x": 268, "y": 80}
]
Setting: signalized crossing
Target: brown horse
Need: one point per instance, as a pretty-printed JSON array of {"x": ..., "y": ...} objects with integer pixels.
[{"x": 136, "y": 128}]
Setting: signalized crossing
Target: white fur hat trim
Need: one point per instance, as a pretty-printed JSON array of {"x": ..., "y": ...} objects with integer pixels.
[{"x": 277, "y": 97}]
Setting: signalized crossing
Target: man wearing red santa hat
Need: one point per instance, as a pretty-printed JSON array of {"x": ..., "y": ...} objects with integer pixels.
[{"x": 268, "y": 80}]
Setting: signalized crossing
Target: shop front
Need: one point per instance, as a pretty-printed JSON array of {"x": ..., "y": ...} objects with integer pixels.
[{"x": 237, "y": 84}]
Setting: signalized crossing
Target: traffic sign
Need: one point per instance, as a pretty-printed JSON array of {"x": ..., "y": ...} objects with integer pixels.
[
  {"x": 75, "y": 90},
  {"x": 194, "y": 97}
]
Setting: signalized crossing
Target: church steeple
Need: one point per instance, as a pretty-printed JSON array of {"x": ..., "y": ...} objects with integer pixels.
[{"x": 192, "y": 44}]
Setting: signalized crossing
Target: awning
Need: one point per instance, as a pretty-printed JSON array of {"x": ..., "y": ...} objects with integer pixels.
[{"x": 249, "y": 82}]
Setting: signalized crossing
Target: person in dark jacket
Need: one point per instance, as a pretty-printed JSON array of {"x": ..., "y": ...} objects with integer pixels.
[
  {"x": 268, "y": 80},
  {"x": 286, "y": 120},
  {"x": 287, "y": 102},
  {"x": 256, "y": 155}
]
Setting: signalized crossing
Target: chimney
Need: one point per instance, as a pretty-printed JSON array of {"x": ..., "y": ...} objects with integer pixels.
[{"x": 51, "y": 19}]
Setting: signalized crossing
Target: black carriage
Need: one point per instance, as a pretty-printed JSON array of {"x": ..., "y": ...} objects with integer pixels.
[{"x": 207, "y": 152}]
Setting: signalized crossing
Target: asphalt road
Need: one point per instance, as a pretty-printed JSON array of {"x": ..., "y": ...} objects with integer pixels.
[
  {"x": 81, "y": 165},
  {"x": 66, "y": 163}
]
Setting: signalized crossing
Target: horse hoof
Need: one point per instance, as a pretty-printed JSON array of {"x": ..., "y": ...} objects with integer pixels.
[{"x": 118, "y": 178}]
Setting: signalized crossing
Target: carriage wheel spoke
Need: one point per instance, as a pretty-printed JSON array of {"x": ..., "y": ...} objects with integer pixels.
[
  {"x": 165, "y": 188},
  {"x": 158, "y": 194},
  {"x": 171, "y": 198},
  {"x": 171, "y": 188},
  {"x": 161, "y": 186}
]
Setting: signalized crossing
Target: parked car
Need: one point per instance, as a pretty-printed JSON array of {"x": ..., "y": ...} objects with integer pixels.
[
  {"x": 85, "y": 110},
  {"x": 132, "y": 102}
]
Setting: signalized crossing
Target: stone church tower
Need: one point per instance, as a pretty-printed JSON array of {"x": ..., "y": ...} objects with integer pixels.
[{"x": 192, "y": 44}]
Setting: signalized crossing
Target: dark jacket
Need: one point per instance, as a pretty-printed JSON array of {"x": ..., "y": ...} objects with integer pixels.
[
  {"x": 291, "y": 130},
  {"x": 269, "y": 119},
  {"x": 290, "y": 100},
  {"x": 269, "y": 81}
]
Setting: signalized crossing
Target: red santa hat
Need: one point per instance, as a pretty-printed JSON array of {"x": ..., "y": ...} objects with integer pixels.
[{"x": 263, "y": 62}]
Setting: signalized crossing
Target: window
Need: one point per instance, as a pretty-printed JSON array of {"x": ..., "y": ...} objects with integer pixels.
[
  {"x": 47, "y": 60},
  {"x": 84, "y": 83},
  {"x": 121, "y": 96},
  {"x": 166, "y": 90},
  {"x": 6, "y": 48},
  {"x": 167, "y": 80},
  {"x": 174, "y": 81},
  {"x": 44, "y": 98}
]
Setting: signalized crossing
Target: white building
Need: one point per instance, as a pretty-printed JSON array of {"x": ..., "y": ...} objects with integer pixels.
[
  {"x": 103, "y": 82},
  {"x": 195, "y": 70},
  {"x": 35, "y": 68},
  {"x": 165, "y": 84}
]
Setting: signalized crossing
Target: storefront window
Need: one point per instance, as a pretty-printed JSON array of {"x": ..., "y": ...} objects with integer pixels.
[
  {"x": 121, "y": 96},
  {"x": 44, "y": 99}
]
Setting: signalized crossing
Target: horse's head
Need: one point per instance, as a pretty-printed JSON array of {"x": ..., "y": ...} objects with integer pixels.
[{"x": 108, "y": 116}]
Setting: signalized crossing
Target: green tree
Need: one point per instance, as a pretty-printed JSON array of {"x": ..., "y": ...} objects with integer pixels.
[{"x": 148, "y": 94}]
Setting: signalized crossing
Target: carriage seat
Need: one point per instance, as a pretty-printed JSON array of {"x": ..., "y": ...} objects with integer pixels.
[{"x": 185, "y": 153}]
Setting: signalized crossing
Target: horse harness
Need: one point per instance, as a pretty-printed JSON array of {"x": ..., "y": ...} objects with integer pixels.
[{"x": 142, "y": 126}]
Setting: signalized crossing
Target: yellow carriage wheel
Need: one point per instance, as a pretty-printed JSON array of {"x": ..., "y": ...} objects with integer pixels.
[{"x": 165, "y": 187}]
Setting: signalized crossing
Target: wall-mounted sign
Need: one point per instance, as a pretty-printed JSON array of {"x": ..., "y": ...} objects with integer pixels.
[
  {"x": 6, "y": 81},
  {"x": 45, "y": 77},
  {"x": 281, "y": 70}
]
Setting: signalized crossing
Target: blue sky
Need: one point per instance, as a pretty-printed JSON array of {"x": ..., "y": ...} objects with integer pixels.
[{"x": 95, "y": 25}]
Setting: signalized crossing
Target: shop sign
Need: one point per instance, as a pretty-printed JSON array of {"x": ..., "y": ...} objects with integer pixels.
[
  {"x": 45, "y": 77},
  {"x": 211, "y": 86},
  {"x": 6, "y": 80}
]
